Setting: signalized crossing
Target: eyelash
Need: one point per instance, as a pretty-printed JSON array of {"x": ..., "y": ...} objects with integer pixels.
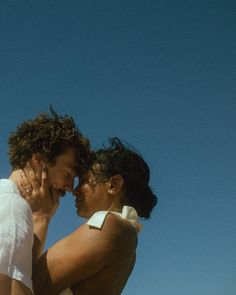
[{"x": 67, "y": 174}]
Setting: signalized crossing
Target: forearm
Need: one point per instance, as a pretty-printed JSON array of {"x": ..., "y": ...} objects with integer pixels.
[
  {"x": 5, "y": 284},
  {"x": 41, "y": 223},
  {"x": 10, "y": 286}
]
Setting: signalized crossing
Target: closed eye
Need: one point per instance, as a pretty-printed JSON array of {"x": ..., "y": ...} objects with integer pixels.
[{"x": 67, "y": 175}]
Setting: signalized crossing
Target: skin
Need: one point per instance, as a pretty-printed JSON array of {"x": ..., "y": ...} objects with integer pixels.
[
  {"x": 62, "y": 173},
  {"x": 11, "y": 286},
  {"x": 44, "y": 200},
  {"x": 91, "y": 261},
  {"x": 60, "y": 178},
  {"x": 92, "y": 196},
  {"x": 103, "y": 256}
]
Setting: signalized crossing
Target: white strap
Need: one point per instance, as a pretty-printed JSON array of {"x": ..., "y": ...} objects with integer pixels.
[{"x": 128, "y": 213}]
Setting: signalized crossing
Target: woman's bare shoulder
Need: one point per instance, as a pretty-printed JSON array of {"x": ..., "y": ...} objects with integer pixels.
[
  {"x": 114, "y": 232},
  {"x": 121, "y": 231}
]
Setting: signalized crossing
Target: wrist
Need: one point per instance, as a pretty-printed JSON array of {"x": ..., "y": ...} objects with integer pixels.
[{"x": 41, "y": 217}]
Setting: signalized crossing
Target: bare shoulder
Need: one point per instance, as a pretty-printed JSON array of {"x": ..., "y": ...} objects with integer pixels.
[
  {"x": 120, "y": 232},
  {"x": 117, "y": 247},
  {"x": 84, "y": 254},
  {"x": 115, "y": 233}
]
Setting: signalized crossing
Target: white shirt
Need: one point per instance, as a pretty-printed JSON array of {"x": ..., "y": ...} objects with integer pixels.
[{"x": 16, "y": 234}]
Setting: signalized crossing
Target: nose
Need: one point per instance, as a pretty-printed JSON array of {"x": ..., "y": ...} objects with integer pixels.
[{"x": 69, "y": 186}]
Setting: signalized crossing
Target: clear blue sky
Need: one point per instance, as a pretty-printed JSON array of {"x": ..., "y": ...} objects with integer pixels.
[{"x": 160, "y": 75}]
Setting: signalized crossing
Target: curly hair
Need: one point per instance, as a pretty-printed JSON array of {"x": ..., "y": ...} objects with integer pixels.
[
  {"x": 118, "y": 159},
  {"x": 49, "y": 135}
]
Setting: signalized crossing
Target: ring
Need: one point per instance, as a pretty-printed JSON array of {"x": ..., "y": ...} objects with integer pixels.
[{"x": 28, "y": 190}]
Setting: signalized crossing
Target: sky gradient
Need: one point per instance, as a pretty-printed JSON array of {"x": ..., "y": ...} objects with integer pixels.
[{"x": 161, "y": 76}]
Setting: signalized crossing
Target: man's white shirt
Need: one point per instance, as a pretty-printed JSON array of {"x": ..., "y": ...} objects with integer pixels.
[{"x": 16, "y": 234}]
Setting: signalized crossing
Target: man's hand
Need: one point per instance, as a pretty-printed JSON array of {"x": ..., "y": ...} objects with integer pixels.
[{"x": 34, "y": 188}]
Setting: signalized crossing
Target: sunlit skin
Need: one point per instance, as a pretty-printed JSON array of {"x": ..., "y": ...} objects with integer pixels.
[
  {"x": 61, "y": 173},
  {"x": 90, "y": 260},
  {"x": 12, "y": 287},
  {"x": 60, "y": 176},
  {"x": 92, "y": 196}
]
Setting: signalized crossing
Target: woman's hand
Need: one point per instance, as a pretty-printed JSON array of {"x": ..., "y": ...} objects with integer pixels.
[{"x": 35, "y": 189}]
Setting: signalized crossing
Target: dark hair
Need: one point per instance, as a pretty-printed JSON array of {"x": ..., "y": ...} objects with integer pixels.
[
  {"x": 49, "y": 135},
  {"x": 118, "y": 159}
]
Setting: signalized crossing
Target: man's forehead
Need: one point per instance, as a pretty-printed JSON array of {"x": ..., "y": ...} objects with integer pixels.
[
  {"x": 71, "y": 165},
  {"x": 68, "y": 158}
]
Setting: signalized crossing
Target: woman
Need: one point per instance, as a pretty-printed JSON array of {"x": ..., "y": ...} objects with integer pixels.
[{"x": 99, "y": 256}]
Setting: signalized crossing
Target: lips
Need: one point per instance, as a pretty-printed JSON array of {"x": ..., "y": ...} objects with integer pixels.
[
  {"x": 57, "y": 192},
  {"x": 61, "y": 193},
  {"x": 77, "y": 201}
]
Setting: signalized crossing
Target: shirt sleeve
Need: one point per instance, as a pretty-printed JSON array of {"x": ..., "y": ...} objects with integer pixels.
[{"x": 16, "y": 239}]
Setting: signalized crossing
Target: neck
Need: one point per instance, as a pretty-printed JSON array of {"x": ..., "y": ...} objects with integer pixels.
[
  {"x": 115, "y": 208},
  {"x": 117, "y": 203}
]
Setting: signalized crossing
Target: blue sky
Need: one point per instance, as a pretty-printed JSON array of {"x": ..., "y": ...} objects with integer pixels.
[{"x": 161, "y": 76}]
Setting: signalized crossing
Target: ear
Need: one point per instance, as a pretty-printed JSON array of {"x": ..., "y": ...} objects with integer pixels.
[
  {"x": 115, "y": 184},
  {"x": 37, "y": 159}
]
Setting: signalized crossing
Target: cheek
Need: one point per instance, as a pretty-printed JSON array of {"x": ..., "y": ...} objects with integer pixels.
[
  {"x": 54, "y": 176},
  {"x": 90, "y": 194},
  {"x": 51, "y": 175}
]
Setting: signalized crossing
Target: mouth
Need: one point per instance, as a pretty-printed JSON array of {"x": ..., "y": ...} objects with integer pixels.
[
  {"x": 62, "y": 193},
  {"x": 58, "y": 193},
  {"x": 77, "y": 201}
]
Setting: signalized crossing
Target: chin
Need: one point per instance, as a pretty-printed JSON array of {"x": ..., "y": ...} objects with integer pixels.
[
  {"x": 79, "y": 213},
  {"x": 82, "y": 214}
]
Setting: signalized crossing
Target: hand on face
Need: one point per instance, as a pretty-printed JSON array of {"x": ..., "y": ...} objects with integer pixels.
[{"x": 34, "y": 188}]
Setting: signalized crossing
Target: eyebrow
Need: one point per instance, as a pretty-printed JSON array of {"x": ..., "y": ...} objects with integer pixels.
[{"x": 71, "y": 166}]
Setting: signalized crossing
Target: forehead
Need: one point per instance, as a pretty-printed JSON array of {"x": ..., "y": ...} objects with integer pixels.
[
  {"x": 87, "y": 177},
  {"x": 67, "y": 158}
]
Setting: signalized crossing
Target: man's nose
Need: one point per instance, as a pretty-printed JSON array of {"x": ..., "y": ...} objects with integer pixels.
[
  {"x": 69, "y": 186},
  {"x": 76, "y": 191}
]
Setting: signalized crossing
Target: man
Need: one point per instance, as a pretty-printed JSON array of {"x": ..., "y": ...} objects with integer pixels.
[{"x": 48, "y": 142}]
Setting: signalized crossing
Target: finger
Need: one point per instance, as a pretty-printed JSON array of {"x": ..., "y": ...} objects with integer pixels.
[
  {"x": 37, "y": 170},
  {"x": 21, "y": 189},
  {"x": 24, "y": 180},
  {"x": 31, "y": 175},
  {"x": 44, "y": 178}
]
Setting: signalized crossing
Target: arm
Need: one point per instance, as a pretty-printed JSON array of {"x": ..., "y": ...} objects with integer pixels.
[
  {"x": 81, "y": 255},
  {"x": 110, "y": 281},
  {"x": 41, "y": 224},
  {"x": 15, "y": 246},
  {"x": 9, "y": 286},
  {"x": 5, "y": 284},
  {"x": 42, "y": 217},
  {"x": 42, "y": 203}
]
